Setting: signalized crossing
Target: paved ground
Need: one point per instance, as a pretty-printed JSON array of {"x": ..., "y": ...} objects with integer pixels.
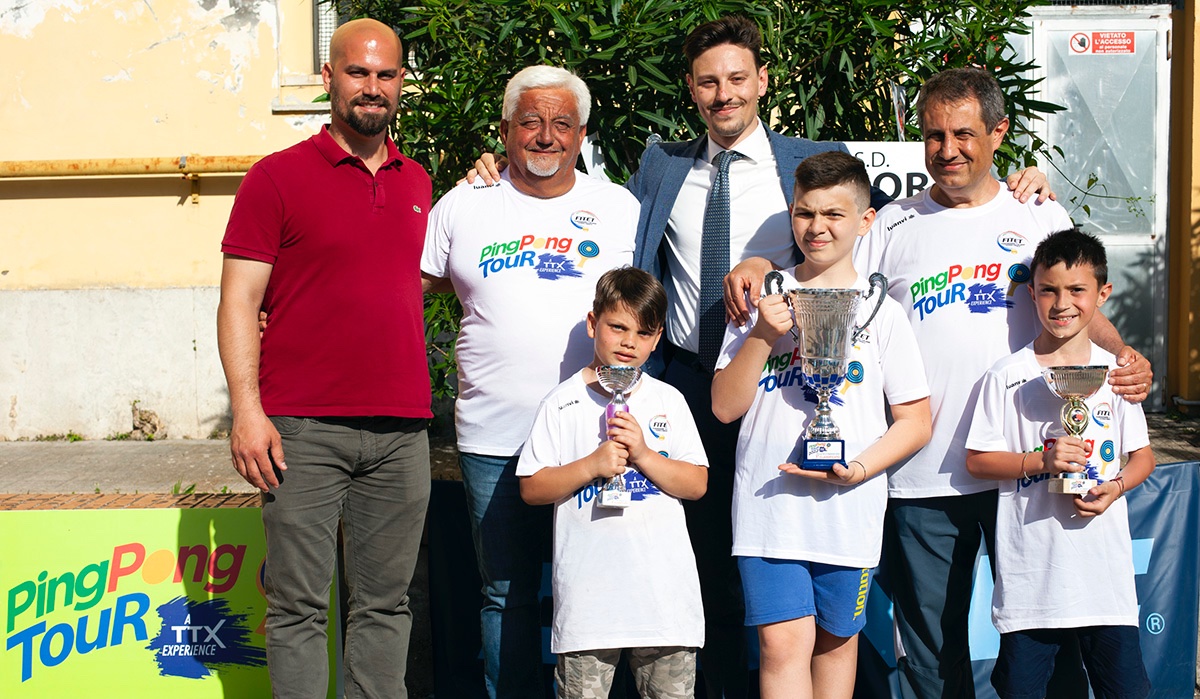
[{"x": 191, "y": 473}]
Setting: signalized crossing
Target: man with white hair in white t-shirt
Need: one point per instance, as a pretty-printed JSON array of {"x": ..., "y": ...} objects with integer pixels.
[{"x": 523, "y": 256}]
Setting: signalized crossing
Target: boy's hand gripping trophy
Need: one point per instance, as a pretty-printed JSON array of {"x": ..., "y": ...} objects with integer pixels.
[
  {"x": 825, "y": 320},
  {"x": 1074, "y": 384},
  {"x": 616, "y": 380}
]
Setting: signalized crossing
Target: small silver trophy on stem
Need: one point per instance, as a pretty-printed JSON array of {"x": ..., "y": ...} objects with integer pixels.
[
  {"x": 1074, "y": 384},
  {"x": 825, "y": 319},
  {"x": 617, "y": 380}
]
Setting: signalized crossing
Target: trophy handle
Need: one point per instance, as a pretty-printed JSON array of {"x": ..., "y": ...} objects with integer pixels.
[
  {"x": 878, "y": 283},
  {"x": 775, "y": 277}
]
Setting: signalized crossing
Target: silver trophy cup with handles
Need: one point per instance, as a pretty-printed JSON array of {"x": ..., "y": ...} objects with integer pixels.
[
  {"x": 617, "y": 380},
  {"x": 824, "y": 329},
  {"x": 1074, "y": 384}
]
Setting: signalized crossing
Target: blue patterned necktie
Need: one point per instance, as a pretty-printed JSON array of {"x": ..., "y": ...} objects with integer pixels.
[{"x": 714, "y": 261}]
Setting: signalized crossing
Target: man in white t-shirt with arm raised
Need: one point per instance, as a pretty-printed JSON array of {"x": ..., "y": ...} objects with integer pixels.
[
  {"x": 956, "y": 257},
  {"x": 523, "y": 256}
]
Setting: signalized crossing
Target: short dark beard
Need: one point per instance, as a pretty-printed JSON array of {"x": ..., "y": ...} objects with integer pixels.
[{"x": 366, "y": 125}]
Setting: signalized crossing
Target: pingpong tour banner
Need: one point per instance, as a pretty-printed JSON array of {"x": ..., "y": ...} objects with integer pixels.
[{"x": 129, "y": 603}]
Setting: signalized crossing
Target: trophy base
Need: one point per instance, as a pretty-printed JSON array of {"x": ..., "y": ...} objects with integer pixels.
[
  {"x": 1066, "y": 485},
  {"x": 822, "y": 454},
  {"x": 615, "y": 499}
]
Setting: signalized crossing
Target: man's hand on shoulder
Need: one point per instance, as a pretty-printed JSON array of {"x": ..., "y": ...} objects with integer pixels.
[
  {"x": 488, "y": 167},
  {"x": 1029, "y": 182},
  {"x": 747, "y": 276},
  {"x": 257, "y": 450},
  {"x": 1132, "y": 377}
]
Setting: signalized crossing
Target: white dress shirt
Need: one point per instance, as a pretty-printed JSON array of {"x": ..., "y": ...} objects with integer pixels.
[{"x": 759, "y": 226}]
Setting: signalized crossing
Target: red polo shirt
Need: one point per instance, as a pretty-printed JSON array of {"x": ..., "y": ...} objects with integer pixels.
[{"x": 346, "y": 330}]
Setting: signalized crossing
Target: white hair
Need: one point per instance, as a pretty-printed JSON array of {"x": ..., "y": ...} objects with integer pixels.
[{"x": 542, "y": 77}]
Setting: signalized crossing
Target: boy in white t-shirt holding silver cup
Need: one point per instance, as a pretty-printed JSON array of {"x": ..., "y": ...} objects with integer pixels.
[
  {"x": 1064, "y": 563},
  {"x": 624, "y": 578},
  {"x": 807, "y": 540}
]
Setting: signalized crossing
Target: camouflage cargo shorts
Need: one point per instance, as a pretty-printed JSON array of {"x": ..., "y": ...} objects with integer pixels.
[{"x": 659, "y": 673}]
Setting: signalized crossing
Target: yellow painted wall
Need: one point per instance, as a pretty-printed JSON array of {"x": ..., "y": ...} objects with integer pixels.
[
  {"x": 139, "y": 78},
  {"x": 1183, "y": 370}
]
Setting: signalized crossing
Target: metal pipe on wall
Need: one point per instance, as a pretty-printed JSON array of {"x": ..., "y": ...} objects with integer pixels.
[{"x": 178, "y": 165}]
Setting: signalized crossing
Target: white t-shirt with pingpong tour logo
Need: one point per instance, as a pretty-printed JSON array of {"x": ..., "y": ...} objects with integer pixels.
[
  {"x": 960, "y": 276},
  {"x": 622, "y": 578},
  {"x": 1055, "y": 569},
  {"x": 780, "y": 515},
  {"x": 525, "y": 271}
]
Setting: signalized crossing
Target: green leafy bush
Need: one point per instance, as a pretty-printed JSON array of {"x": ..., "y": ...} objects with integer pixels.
[{"x": 833, "y": 67}]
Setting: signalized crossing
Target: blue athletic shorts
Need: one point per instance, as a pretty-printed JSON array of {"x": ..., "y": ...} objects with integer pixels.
[
  {"x": 1111, "y": 654},
  {"x": 781, "y": 590}
]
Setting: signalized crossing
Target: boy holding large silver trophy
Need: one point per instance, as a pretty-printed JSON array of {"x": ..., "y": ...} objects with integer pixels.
[
  {"x": 616, "y": 450},
  {"x": 811, "y": 373},
  {"x": 1049, "y": 428}
]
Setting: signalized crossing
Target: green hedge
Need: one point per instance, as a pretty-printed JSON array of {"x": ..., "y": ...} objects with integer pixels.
[{"x": 833, "y": 67}]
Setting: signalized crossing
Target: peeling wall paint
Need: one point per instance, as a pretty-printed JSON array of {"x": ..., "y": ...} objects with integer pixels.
[
  {"x": 156, "y": 78},
  {"x": 21, "y": 17},
  {"x": 131, "y": 260}
]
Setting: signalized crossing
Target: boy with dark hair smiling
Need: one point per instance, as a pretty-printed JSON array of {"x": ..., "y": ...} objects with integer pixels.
[
  {"x": 602, "y": 556},
  {"x": 1050, "y": 546}
]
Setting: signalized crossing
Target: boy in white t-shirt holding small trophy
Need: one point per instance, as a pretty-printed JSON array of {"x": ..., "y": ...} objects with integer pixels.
[
  {"x": 1064, "y": 567},
  {"x": 808, "y": 527},
  {"x": 624, "y": 576}
]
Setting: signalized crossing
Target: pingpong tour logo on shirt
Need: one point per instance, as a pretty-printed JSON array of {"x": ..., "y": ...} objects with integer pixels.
[
  {"x": 978, "y": 286},
  {"x": 549, "y": 256},
  {"x": 1011, "y": 241},
  {"x": 1102, "y": 415},
  {"x": 787, "y": 369}
]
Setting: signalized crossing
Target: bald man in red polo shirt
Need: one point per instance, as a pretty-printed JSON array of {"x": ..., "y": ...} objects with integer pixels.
[{"x": 330, "y": 406}]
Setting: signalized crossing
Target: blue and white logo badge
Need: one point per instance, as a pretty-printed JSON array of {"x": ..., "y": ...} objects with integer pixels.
[
  {"x": 659, "y": 426},
  {"x": 1102, "y": 415},
  {"x": 1108, "y": 452},
  {"x": 584, "y": 220},
  {"x": 1011, "y": 241}
]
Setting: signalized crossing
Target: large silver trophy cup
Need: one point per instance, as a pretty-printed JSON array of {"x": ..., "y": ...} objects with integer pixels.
[
  {"x": 1074, "y": 384},
  {"x": 824, "y": 319},
  {"x": 617, "y": 380}
]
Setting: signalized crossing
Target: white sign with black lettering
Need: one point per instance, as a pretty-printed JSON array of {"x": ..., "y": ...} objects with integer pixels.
[{"x": 896, "y": 169}]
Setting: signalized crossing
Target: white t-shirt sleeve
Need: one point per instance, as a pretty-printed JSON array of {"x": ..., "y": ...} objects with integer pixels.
[
  {"x": 735, "y": 337},
  {"x": 987, "y": 422},
  {"x": 541, "y": 450},
  {"x": 435, "y": 256},
  {"x": 903, "y": 370},
  {"x": 1131, "y": 418}
]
